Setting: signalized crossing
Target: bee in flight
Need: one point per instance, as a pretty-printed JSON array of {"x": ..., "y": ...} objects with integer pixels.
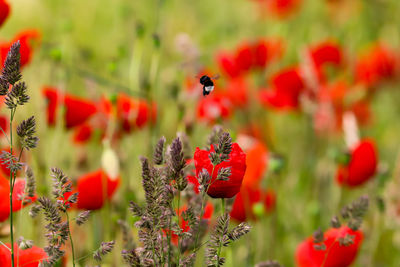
[{"x": 208, "y": 84}]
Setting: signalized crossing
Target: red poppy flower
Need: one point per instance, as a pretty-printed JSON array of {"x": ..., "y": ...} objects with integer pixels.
[
  {"x": 134, "y": 112},
  {"x": 326, "y": 53},
  {"x": 77, "y": 110},
  {"x": 244, "y": 57},
  {"x": 378, "y": 64},
  {"x": 287, "y": 86},
  {"x": 361, "y": 167},
  {"x": 227, "y": 65},
  {"x": 237, "y": 90},
  {"x": 237, "y": 163},
  {"x": 323, "y": 54},
  {"x": 4, "y": 11},
  {"x": 335, "y": 255},
  {"x": 82, "y": 133},
  {"x": 256, "y": 160},
  {"x": 30, "y": 257},
  {"x": 281, "y": 8},
  {"x": 19, "y": 189},
  {"x": 213, "y": 107},
  {"x": 95, "y": 189},
  {"x": 247, "y": 198},
  {"x": 4, "y": 169},
  {"x": 266, "y": 50},
  {"x": 208, "y": 212},
  {"x": 4, "y": 123},
  {"x": 26, "y": 38},
  {"x": 337, "y": 98}
]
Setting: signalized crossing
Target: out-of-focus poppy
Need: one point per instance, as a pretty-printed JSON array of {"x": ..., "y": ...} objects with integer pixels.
[
  {"x": 18, "y": 194},
  {"x": 237, "y": 90},
  {"x": 213, "y": 107},
  {"x": 334, "y": 100},
  {"x": 361, "y": 167},
  {"x": 244, "y": 57},
  {"x": 4, "y": 11},
  {"x": 256, "y": 160},
  {"x": 3, "y": 166},
  {"x": 245, "y": 201},
  {"x": 207, "y": 214},
  {"x": 26, "y": 38},
  {"x": 30, "y": 257},
  {"x": 134, "y": 113},
  {"x": 95, "y": 188},
  {"x": 378, "y": 64},
  {"x": 4, "y": 124},
  {"x": 335, "y": 254},
  {"x": 82, "y": 133},
  {"x": 327, "y": 52},
  {"x": 227, "y": 65},
  {"x": 266, "y": 50},
  {"x": 237, "y": 163},
  {"x": 281, "y": 8},
  {"x": 287, "y": 86},
  {"x": 324, "y": 54},
  {"x": 77, "y": 110}
]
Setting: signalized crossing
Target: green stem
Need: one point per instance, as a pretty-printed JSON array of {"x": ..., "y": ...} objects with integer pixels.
[
  {"x": 222, "y": 237},
  {"x": 203, "y": 200},
  {"x": 179, "y": 249},
  {"x": 11, "y": 192},
  {"x": 70, "y": 240}
]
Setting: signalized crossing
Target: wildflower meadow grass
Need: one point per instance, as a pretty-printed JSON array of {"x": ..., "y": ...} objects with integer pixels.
[{"x": 200, "y": 133}]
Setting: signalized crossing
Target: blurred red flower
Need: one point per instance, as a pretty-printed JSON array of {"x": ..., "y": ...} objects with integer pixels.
[
  {"x": 245, "y": 201},
  {"x": 214, "y": 107},
  {"x": 4, "y": 123},
  {"x": 337, "y": 98},
  {"x": 19, "y": 189},
  {"x": 30, "y": 257},
  {"x": 77, "y": 110},
  {"x": 361, "y": 167},
  {"x": 244, "y": 57},
  {"x": 237, "y": 163},
  {"x": 379, "y": 63},
  {"x": 266, "y": 50},
  {"x": 82, "y": 133},
  {"x": 26, "y": 38},
  {"x": 228, "y": 65},
  {"x": 256, "y": 160},
  {"x": 4, "y": 11},
  {"x": 208, "y": 212},
  {"x": 287, "y": 86},
  {"x": 237, "y": 90},
  {"x": 134, "y": 113},
  {"x": 324, "y": 54},
  {"x": 327, "y": 52},
  {"x": 95, "y": 188},
  {"x": 281, "y": 8},
  {"x": 335, "y": 255}
]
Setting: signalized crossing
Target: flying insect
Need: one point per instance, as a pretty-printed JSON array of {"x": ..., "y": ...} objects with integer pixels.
[{"x": 208, "y": 83}]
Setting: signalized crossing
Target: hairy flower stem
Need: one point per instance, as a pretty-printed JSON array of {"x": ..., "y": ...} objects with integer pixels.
[
  {"x": 179, "y": 248},
  {"x": 70, "y": 240},
  {"x": 222, "y": 237},
  {"x": 12, "y": 175},
  {"x": 203, "y": 200}
]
